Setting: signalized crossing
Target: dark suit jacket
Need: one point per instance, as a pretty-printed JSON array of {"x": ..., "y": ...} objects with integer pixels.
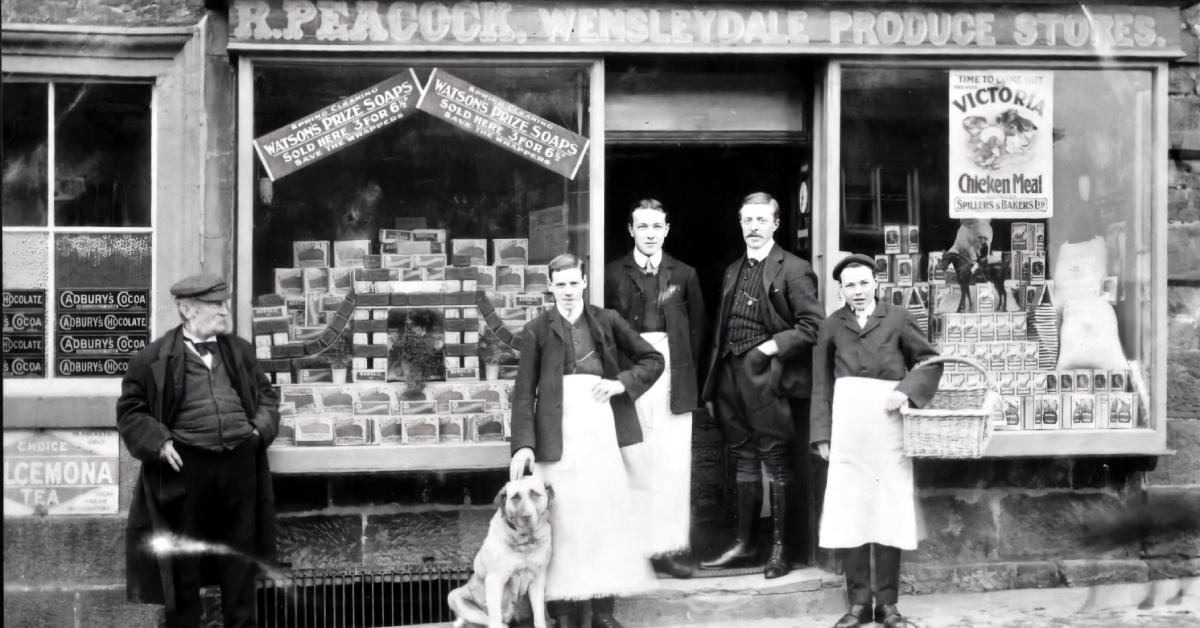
[
  {"x": 885, "y": 348},
  {"x": 683, "y": 312},
  {"x": 537, "y": 395},
  {"x": 793, "y": 317},
  {"x": 146, "y": 410}
]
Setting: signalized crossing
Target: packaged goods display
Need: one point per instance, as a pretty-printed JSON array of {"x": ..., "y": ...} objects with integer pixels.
[
  {"x": 388, "y": 342},
  {"x": 1003, "y": 310}
]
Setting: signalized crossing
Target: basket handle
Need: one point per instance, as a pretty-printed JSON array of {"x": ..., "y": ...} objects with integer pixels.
[{"x": 942, "y": 359}]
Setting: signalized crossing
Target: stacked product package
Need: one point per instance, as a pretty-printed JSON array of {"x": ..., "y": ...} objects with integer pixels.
[
  {"x": 379, "y": 342},
  {"x": 1014, "y": 336}
]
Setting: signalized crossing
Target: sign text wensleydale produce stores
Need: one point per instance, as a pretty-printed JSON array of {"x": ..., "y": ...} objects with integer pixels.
[{"x": 1103, "y": 29}]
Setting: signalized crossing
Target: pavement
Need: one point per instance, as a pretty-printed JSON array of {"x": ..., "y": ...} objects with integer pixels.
[{"x": 1161, "y": 604}]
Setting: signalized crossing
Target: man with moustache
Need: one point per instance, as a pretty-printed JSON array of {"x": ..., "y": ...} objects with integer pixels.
[
  {"x": 761, "y": 361},
  {"x": 659, "y": 297},
  {"x": 581, "y": 370},
  {"x": 865, "y": 368},
  {"x": 199, "y": 413}
]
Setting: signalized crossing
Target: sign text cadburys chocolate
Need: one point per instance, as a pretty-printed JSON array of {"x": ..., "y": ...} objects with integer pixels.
[
  {"x": 103, "y": 299},
  {"x": 472, "y": 109},
  {"x": 24, "y": 299},
  {"x": 24, "y": 333},
  {"x": 92, "y": 366},
  {"x": 291, "y": 147},
  {"x": 103, "y": 321},
  {"x": 25, "y": 345}
]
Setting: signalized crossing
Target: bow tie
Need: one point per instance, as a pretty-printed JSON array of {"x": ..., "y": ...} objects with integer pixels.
[
  {"x": 203, "y": 348},
  {"x": 649, "y": 268}
]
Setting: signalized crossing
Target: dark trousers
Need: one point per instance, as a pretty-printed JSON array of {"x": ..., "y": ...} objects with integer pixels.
[
  {"x": 219, "y": 507},
  {"x": 755, "y": 423},
  {"x": 856, "y": 562}
]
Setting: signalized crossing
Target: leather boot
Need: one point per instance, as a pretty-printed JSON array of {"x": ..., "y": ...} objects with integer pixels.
[
  {"x": 777, "y": 564},
  {"x": 602, "y": 613},
  {"x": 889, "y": 616},
  {"x": 671, "y": 566},
  {"x": 858, "y": 615},
  {"x": 742, "y": 552}
]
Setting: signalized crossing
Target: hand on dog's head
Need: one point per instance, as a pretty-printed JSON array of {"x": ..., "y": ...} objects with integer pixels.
[{"x": 525, "y": 503}]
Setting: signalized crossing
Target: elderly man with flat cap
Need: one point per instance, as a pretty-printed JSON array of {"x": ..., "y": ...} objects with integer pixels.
[
  {"x": 199, "y": 413},
  {"x": 866, "y": 365}
]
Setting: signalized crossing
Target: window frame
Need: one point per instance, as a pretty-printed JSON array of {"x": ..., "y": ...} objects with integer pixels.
[
  {"x": 53, "y": 384},
  {"x": 1151, "y": 440},
  {"x": 246, "y": 159}
]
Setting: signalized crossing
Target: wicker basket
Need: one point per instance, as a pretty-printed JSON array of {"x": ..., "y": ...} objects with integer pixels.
[{"x": 955, "y": 423}]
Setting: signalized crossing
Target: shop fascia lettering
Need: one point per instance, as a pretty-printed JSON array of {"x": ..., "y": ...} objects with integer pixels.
[{"x": 304, "y": 21}]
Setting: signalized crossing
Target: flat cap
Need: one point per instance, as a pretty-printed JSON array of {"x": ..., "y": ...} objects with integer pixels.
[
  {"x": 857, "y": 258},
  {"x": 202, "y": 287}
]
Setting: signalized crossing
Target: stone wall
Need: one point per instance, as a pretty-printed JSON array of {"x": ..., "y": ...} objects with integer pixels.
[{"x": 103, "y": 12}]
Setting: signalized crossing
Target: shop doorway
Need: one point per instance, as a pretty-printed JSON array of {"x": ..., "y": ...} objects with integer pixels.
[{"x": 702, "y": 185}]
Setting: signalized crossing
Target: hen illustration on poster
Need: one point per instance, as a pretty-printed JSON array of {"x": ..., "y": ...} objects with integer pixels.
[{"x": 1001, "y": 144}]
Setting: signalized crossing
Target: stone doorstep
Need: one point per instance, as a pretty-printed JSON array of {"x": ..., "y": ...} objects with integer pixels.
[{"x": 697, "y": 600}]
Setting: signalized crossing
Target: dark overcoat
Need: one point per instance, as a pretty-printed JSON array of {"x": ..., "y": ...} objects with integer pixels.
[
  {"x": 149, "y": 403},
  {"x": 683, "y": 313},
  {"x": 537, "y": 405},
  {"x": 887, "y": 348},
  {"x": 793, "y": 318}
]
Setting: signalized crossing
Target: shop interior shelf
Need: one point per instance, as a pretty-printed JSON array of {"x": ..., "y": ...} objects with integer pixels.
[{"x": 381, "y": 458}]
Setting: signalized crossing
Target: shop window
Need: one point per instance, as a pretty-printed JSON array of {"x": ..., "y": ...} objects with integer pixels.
[
  {"x": 432, "y": 240},
  {"x": 1051, "y": 196},
  {"x": 77, "y": 227}
]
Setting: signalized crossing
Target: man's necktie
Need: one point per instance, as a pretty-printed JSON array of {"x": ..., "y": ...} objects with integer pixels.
[
  {"x": 649, "y": 268},
  {"x": 204, "y": 348}
]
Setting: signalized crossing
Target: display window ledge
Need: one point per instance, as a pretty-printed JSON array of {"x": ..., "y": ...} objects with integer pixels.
[
  {"x": 308, "y": 460},
  {"x": 1059, "y": 443}
]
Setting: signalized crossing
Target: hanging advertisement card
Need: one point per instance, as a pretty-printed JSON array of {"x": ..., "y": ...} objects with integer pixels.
[
  {"x": 496, "y": 120},
  {"x": 303, "y": 142},
  {"x": 60, "y": 472},
  {"x": 1001, "y": 152}
]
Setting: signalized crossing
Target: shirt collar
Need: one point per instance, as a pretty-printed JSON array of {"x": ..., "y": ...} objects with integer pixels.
[
  {"x": 870, "y": 310},
  {"x": 640, "y": 259},
  {"x": 194, "y": 338},
  {"x": 572, "y": 316},
  {"x": 761, "y": 253}
]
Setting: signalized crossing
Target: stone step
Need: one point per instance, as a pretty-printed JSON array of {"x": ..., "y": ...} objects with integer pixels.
[{"x": 801, "y": 593}]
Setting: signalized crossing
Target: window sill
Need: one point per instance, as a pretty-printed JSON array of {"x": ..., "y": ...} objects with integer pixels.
[
  {"x": 1050, "y": 443},
  {"x": 302, "y": 460}
]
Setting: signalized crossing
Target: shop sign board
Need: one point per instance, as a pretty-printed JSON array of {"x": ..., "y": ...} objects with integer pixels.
[
  {"x": 1102, "y": 30},
  {"x": 1001, "y": 144},
  {"x": 60, "y": 472},
  {"x": 340, "y": 125},
  {"x": 92, "y": 366},
  {"x": 24, "y": 333},
  {"x": 103, "y": 299},
  {"x": 99, "y": 321},
  {"x": 506, "y": 125}
]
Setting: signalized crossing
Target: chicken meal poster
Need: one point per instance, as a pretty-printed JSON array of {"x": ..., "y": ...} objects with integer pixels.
[{"x": 1001, "y": 144}]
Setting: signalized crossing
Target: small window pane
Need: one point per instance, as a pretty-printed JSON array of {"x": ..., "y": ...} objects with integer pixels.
[
  {"x": 102, "y": 261},
  {"x": 24, "y": 152},
  {"x": 25, "y": 261},
  {"x": 102, "y": 160}
]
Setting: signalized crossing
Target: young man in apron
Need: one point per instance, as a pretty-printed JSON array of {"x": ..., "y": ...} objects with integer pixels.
[
  {"x": 861, "y": 378},
  {"x": 659, "y": 296},
  {"x": 573, "y": 409}
]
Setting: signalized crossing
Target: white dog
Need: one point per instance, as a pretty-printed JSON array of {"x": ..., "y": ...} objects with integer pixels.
[{"x": 510, "y": 569}]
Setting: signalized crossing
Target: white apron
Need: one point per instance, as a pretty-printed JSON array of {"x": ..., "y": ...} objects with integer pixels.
[
  {"x": 592, "y": 535},
  {"x": 869, "y": 497},
  {"x": 660, "y": 467}
]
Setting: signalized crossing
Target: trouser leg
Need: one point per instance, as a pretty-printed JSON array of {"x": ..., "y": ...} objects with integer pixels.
[
  {"x": 887, "y": 574},
  {"x": 239, "y": 503},
  {"x": 856, "y": 563}
]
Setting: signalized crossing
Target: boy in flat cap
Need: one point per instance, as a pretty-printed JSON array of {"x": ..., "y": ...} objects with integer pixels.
[
  {"x": 862, "y": 374},
  {"x": 199, "y": 413}
]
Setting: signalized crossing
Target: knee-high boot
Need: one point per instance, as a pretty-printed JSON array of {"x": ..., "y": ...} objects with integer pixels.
[
  {"x": 777, "y": 564},
  {"x": 743, "y": 551}
]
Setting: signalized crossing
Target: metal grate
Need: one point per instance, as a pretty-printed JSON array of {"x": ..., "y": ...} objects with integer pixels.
[{"x": 359, "y": 598}]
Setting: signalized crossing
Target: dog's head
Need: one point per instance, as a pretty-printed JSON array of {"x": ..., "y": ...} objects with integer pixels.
[{"x": 525, "y": 503}]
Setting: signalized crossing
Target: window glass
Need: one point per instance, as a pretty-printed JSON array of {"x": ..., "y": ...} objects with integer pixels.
[
  {"x": 102, "y": 155},
  {"x": 1049, "y": 272},
  {"x": 24, "y": 151},
  {"x": 110, "y": 260}
]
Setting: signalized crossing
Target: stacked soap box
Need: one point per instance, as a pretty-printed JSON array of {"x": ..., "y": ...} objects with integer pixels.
[{"x": 394, "y": 414}]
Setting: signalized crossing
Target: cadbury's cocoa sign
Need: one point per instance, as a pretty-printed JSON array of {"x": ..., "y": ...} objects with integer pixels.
[
  {"x": 103, "y": 321},
  {"x": 108, "y": 299}
]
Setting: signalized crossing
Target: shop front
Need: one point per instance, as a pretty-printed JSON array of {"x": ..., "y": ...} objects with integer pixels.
[{"x": 405, "y": 171}]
